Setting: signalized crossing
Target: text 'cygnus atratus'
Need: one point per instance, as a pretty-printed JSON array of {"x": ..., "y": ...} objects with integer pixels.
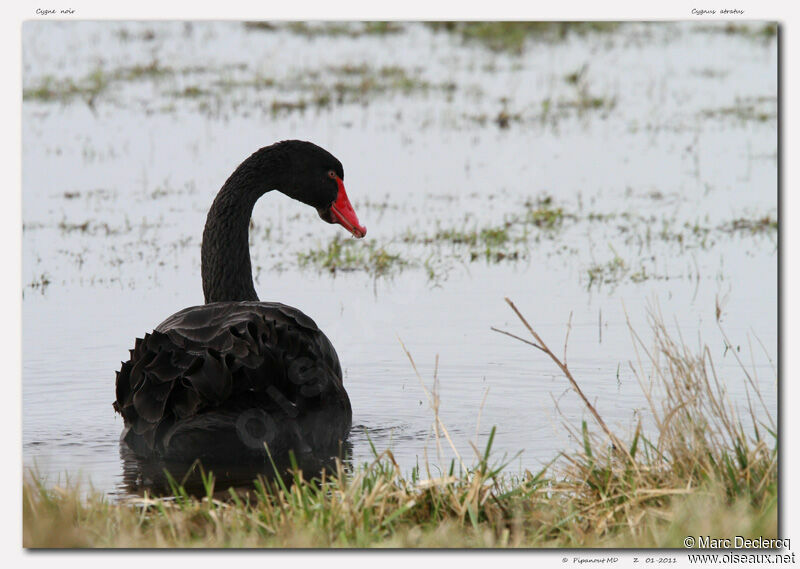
[{"x": 220, "y": 381}]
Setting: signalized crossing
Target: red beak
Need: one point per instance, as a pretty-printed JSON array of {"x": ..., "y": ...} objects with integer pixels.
[{"x": 344, "y": 214}]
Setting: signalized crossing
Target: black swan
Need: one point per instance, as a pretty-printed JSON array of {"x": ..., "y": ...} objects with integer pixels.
[{"x": 221, "y": 381}]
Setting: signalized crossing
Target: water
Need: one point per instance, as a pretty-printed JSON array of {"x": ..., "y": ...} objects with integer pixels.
[{"x": 681, "y": 143}]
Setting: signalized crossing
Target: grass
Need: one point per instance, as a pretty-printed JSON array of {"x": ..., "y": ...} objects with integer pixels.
[
  {"x": 579, "y": 101},
  {"x": 49, "y": 89},
  {"x": 347, "y": 84},
  {"x": 94, "y": 84},
  {"x": 611, "y": 271},
  {"x": 644, "y": 233},
  {"x": 511, "y": 37},
  {"x": 551, "y": 111},
  {"x": 511, "y": 240},
  {"x": 506, "y": 241},
  {"x": 316, "y": 89},
  {"x": 40, "y": 283},
  {"x": 357, "y": 83},
  {"x": 344, "y": 84},
  {"x": 765, "y": 32},
  {"x": 760, "y": 225},
  {"x": 192, "y": 92},
  {"x": 91, "y": 227},
  {"x": 543, "y": 214},
  {"x": 341, "y": 254},
  {"x": 330, "y": 29},
  {"x": 492, "y": 243},
  {"x": 745, "y": 110},
  {"x": 703, "y": 469}
]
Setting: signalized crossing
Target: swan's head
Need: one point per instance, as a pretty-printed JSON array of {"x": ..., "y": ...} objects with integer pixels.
[{"x": 318, "y": 180}]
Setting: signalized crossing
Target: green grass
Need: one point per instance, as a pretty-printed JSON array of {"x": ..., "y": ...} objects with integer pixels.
[
  {"x": 357, "y": 82},
  {"x": 746, "y": 109},
  {"x": 707, "y": 469},
  {"x": 51, "y": 90},
  {"x": 94, "y": 84},
  {"x": 633, "y": 241},
  {"x": 640, "y": 235},
  {"x": 742, "y": 112},
  {"x": 543, "y": 214},
  {"x": 506, "y": 241},
  {"x": 610, "y": 272},
  {"x": 765, "y": 32},
  {"x": 512, "y": 36},
  {"x": 492, "y": 243},
  {"x": 343, "y": 254},
  {"x": 345, "y": 84}
]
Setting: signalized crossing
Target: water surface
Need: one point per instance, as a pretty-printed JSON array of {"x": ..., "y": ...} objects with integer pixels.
[{"x": 657, "y": 143}]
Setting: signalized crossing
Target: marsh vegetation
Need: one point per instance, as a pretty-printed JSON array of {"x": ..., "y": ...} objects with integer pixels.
[{"x": 703, "y": 466}]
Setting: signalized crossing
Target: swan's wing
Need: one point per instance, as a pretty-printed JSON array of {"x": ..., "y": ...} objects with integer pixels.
[{"x": 228, "y": 357}]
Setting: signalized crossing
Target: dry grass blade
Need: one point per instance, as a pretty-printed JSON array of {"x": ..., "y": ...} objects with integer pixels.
[
  {"x": 565, "y": 370},
  {"x": 537, "y": 346},
  {"x": 433, "y": 400}
]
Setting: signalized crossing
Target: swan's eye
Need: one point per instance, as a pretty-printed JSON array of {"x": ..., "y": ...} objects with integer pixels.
[{"x": 331, "y": 174}]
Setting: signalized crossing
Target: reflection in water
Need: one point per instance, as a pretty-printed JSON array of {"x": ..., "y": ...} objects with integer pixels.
[{"x": 158, "y": 477}]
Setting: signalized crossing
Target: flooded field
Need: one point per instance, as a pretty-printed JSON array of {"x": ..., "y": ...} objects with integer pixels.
[{"x": 587, "y": 172}]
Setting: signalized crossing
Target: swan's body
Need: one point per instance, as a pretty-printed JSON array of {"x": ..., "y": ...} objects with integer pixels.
[{"x": 221, "y": 381}]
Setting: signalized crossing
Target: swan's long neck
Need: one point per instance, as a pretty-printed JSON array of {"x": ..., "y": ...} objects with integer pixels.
[{"x": 225, "y": 255}]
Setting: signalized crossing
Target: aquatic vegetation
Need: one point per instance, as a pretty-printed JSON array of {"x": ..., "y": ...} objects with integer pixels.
[
  {"x": 151, "y": 70},
  {"x": 543, "y": 214},
  {"x": 40, "y": 283},
  {"x": 583, "y": 100},
  {"x": 192, "y": 91},
  {"x": 512, "y": 36},
  {"x": 492, "y": 243},
  {"x": 349, "y": 255},
  {"x": 633, "y": 240},
  {"x": 610, "y": 272},
  {"x": 553, "y": 109},
  {"x": 125, "y": 35},
  {"x": 94, "y": 84},
  {"x": 766, "y": 31},
  {"x": 644, "y": 235},
  {"x": 765, "y": 224},
  {"x": 255, "y": 81},
  {"x": 353, "y": 84},
  {"x": 357, "y": 82},
  {"x": 758, "y": 109},
  {"x": 516, "y": 229},
  {"x": 92, "y": 227},
  {"x": 261, "y": 26},
  {"x": 330, "y": 29},
  {"x": 507, "y": 241},
  {"x": 49, "y": 89},
  {"x": 287, "y": 106}
]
